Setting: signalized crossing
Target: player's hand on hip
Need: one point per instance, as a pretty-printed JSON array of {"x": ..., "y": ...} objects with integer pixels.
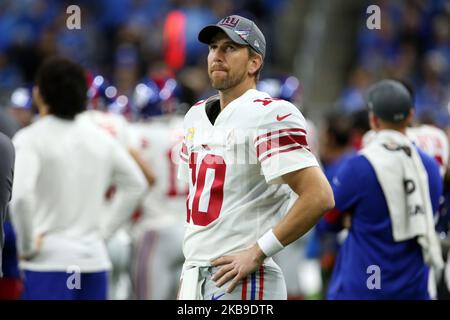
[{"x": 237, "y": 267}]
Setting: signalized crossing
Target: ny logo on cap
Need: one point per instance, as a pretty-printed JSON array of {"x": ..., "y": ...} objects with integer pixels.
[{"x": 229, "y": 22}]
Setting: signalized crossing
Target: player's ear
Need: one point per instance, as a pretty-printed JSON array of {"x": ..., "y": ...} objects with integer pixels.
[
  {"x": 255, "y": 62},
  {"x": 373, "y": 120}
]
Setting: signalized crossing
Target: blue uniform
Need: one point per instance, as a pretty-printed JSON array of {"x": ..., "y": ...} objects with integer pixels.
[
  {"x": 10, "y": 262},
  {"x": 65, "y": 286},
  {"x": 403, "y": 272}
]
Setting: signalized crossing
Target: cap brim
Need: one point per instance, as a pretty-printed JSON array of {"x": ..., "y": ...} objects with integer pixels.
[{"x": 207, "y": 33}]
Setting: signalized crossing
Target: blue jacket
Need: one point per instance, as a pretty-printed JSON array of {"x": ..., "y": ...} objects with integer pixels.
[{"x": 370, "y": 247}]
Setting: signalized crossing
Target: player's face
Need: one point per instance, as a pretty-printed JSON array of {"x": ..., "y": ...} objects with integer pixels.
[{"x": 228, "y": 62}]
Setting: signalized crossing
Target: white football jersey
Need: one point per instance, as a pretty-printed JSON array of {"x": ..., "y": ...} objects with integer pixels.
[
  {"x": 159, "y": 142},
  {"x": 433, "y": 141},
  {"x": 114, "y": 124},
  {"x": 62, "y": 170},
  {"x": 234, "y": 170}
]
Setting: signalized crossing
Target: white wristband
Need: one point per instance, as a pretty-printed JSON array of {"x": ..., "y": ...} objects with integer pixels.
[{"x": 269, "y": 244}]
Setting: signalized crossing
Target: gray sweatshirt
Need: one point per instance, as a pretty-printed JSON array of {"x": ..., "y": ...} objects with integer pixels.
[{"x": 6, "y": 181}]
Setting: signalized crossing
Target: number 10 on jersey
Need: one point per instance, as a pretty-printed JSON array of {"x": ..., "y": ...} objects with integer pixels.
[{"x": 217, "y": 165}]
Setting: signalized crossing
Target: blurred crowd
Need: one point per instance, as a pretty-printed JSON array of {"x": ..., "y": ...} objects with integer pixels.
[
  {"x": 128, "y": 40},
  {"x": 123, "y": 40},
  {"x": 412, "y": 45}
]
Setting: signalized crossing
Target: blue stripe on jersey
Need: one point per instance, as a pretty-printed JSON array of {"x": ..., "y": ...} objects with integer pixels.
[{"x": 253, "y": 292}]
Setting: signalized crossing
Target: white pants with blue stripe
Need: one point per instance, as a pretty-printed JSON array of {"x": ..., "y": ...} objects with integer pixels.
[{"x": 265, "y": 284}]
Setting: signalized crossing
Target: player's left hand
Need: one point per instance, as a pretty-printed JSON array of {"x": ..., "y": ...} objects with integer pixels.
[{"x": 237, "y": 267}]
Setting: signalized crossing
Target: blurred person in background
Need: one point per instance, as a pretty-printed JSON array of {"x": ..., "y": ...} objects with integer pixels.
[
  {"x": 426, "y": 135},
  {"x": 336, "y": 149},
  {"x": 100, "y": 113},
  {"x": 21, "y": 106},
  {"x": 341, "y": 135},
  {"x": 360, "y": 127},
  {"x": 17, "y": 115},
  {"x": 335, "y": 142},
  {"x": 6, "y": 184},
  {"x": 433, "y": 141},
  {"x": 387, "y": 196},
  {"x": 158, "y": 234},
  {"x": 8, "y": 125},
  {"x": 63, "y": 168}
]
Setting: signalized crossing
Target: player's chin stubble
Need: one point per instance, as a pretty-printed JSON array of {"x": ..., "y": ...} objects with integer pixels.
[{"x": 228, "y": 82}]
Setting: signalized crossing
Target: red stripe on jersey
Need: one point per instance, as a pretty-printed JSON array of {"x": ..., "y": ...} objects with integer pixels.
[
  {"x": 269, "y": 134},
  {"x": 199, "y": 102},
  {"x": 261, "y": 282},
  {"x": 279, "y": 142},
  {"x": 279, "y": 151},
  {"x": 183, "y": 153},
  {"x": 183, "y": 157},
  {"x": 244, "y": 289},
  {"x": 333, "y": 216},
  {"x": 439, "y": 160}
]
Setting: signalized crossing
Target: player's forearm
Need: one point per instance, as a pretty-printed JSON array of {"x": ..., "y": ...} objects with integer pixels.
[
  {"x": 130, "y": 191},
  {"x": 131, "y": 186},
  {"x": 303, "y": 215},
  {"x": 23, "y": 203},
  {"x": 315, "y": 198},
  {"x": 144, "y": 166},
  {"x": 124, "y": 203}
]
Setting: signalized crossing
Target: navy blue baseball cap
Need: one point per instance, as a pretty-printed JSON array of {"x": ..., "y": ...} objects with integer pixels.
[{"x": 239, "y": 29}]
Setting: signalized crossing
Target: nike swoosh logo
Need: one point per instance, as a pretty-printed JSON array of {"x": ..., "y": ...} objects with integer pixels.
[
  {"x": 283, "y": 117},
  {"x": 217, "y": 297}
]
